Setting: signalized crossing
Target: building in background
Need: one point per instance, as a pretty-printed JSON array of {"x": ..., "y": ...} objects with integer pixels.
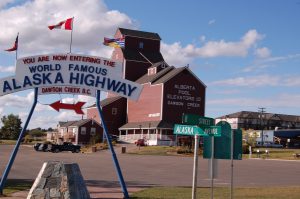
[
  {"x": 79, "y": 132},
  {"x": 258, "y": 121},
  {"x": 266, "y": 128},
  {"x": 167, "y": 93}
]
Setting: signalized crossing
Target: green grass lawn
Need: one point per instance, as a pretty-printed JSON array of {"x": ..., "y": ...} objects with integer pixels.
[
  {"x": 286, "y": 154},
  {"x": 219, "y": 193},
  {"x": 13, "y": 142},
  {"x": 153, "y": 150},
  {"x": 15, "y": 185},
  {"x": 9, "y": 142}
]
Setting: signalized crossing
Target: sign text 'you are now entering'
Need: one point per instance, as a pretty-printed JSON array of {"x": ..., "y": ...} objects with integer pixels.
[{"x": 69, "y": 73}]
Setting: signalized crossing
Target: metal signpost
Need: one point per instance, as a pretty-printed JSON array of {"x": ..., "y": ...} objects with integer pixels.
[
  {"x": 195, "y": 131},
  {"x": 68, "y": 74},
  {"x": 221, "y": 144},
  {"x": 227, "y": 146},
  {"x": 206, "y": 129}
]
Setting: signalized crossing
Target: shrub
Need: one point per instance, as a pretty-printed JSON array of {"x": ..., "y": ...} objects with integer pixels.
[
  {"x": 27, "y": 139},
  {"x": 184, "y": 150}
]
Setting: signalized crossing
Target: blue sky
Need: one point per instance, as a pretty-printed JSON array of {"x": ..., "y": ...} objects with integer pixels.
[{"x": 246, "y": 52}]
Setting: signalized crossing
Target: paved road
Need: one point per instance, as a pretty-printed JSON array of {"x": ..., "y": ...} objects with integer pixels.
[{"x": 98, "y": 169}]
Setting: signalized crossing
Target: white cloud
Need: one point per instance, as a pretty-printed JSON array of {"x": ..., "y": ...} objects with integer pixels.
[
  {"x": 292, "y": 81},
  {"x": 177, "y": 54},
  {"x": 227, "y": 91},
  {"x": 262, "y": 52},
  {"x": 211, "y": 22},
  {"x": 284, "y": 100},
  {"x": 259, "y": 81},
  {"x": 280, "y": 58},
  {"x": 92, "y": 22},
  {"x": 3, "y": 3},
  {"x": 254, "y": 81},
  {"x": 7, "y": 69},
  {"x": 12, "y": 100},
  {"x": 254, "y": 67},
  {"x": 264, "y": 63}
]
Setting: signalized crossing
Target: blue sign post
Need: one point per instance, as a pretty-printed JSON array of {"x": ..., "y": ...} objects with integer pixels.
[
  {"x": 114, "y": 157},
  {"x": 16, "y": 149}
]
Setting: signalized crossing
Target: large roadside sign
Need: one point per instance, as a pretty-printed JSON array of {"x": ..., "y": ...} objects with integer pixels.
[{"x": 87, "y": 73}]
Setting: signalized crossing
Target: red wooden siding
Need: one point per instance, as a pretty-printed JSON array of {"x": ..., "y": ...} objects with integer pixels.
[
  {"x": 135, "y": 70},
  {"x": 148, "y": 107},
  {"x": 85, "y": 139},
  {"x": 113, "y": 121}
]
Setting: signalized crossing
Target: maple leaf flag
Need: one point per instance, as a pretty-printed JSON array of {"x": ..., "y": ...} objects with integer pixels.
[
  {"x": 66, "y": 25},
  {"x": 15, "y": 47}
]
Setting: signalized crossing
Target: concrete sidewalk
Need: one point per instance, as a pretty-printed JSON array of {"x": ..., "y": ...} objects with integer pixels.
[{"x": 95, "y": 193}]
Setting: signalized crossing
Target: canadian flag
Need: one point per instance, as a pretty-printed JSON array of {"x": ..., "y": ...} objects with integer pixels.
[{"x": 66, "y": 25}]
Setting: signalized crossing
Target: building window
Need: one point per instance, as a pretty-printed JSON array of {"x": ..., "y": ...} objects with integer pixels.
[
  {"x": 83, "y": 130},
  {"x": 93, "y": 131},
  {"x": 114, "y": 111},
  {"x": 141, "y": 45}
]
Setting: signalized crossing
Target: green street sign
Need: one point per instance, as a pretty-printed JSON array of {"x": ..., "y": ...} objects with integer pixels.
[
  {"x": 186, "y": 129},
  {"x": 201, "y": 121},
  {"x": 222, "y": 144},
  {"x": 180, "y": 129},
  {"x": 211, "y": 131}
]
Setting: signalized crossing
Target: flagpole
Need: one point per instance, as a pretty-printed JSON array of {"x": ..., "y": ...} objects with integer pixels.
[{"x": 71, "y": 35}]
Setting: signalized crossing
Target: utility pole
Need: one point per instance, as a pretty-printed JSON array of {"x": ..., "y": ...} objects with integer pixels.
[{"x": 261, "y": 111}]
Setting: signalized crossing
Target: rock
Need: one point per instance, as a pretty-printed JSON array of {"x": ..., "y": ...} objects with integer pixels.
[{"x": 57, "y": 180}]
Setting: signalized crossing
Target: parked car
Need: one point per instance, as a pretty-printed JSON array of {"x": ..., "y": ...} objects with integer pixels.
[
  {"x": 273, "y": 145},
  {"x": 114, "y": 138},
  {"x": 140, "y": 142},
  {"x": 269, "y": 145},
  {"x": 42, "y": 147},
  {"x": 66, "y": 146}
]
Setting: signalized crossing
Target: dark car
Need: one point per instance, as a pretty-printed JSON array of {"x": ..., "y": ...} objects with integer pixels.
[
  {"x": 66, "y": 146},
  {"x": 114, "y": 138},
  {"x": 42, "y": 147}
]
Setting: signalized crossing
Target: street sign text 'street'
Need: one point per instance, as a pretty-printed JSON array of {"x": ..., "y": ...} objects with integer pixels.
[{"x": 201, "y": 121}]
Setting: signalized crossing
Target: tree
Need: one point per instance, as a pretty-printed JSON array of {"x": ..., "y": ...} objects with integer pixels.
[
  {"x": 11, "y": 127},
  {"x": 38, "y": 132}
]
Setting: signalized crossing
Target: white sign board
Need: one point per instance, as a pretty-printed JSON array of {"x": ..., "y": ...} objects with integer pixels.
[{"x": 86, "y": 73}]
